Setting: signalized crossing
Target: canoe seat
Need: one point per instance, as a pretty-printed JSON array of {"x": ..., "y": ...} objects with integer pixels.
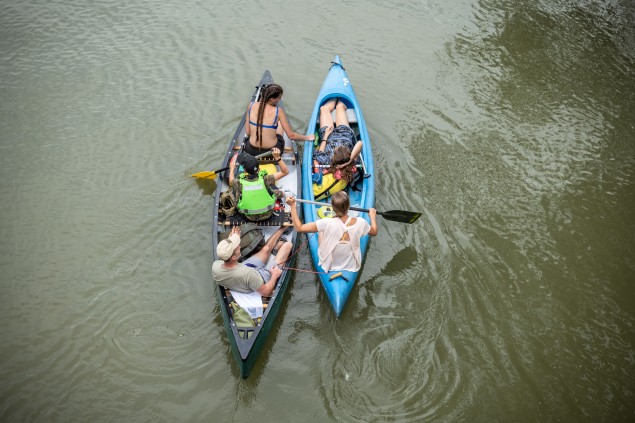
[
  {"x": 282, "y": 218},
  {"x": 350, "y": 115}
]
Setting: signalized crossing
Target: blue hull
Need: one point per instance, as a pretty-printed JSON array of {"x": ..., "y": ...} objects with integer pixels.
[{"x": 338, "y": 85}]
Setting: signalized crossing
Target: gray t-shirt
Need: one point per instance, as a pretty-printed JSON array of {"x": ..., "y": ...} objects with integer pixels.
[{"x": 241, "y": 278}]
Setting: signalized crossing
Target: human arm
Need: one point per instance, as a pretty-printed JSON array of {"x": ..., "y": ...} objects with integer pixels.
[
  {"x": 290, "y": 132},
  {"x": 322, "y": 146},
  {"x": 284, "y": 170},
  {"x": 372, "y": 213},
  {"x": 232, "y": 168},
  {"x": 247, "y": 125},
  {"x": 357, "y": 149},
  {"x": 299, "y": 226},
  {"x": 328, "y": 129},
  {"x": 266, "y": 289}
]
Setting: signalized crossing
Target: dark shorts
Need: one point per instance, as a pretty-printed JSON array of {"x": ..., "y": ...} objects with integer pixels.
[
  {"x": 341, "y": 135},
  {"x": 254, "y": 151}
]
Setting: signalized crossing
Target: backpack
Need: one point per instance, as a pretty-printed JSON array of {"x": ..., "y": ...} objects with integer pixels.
[
  {"x": 328, "y": 186},
  {"x": 227, "y": 203},
  {"x": 252, "y": 239}
]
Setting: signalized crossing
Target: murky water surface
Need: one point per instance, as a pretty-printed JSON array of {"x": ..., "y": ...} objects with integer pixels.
[{"x": 509, "y": 125}]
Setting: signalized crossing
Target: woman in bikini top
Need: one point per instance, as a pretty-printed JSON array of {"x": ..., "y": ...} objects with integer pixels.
[{"x": 265, "y": 124}]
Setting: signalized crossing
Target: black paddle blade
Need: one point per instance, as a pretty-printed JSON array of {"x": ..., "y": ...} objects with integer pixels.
[{"x": 402, "y": 216}]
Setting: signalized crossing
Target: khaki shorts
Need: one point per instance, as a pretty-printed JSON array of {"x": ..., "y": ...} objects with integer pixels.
[{"x": 257, "y": 264}]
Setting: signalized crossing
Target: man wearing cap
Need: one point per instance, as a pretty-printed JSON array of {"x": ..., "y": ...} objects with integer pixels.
[
  {"x": 252, "y": 275},
  {"x": 253, "y": 191}
]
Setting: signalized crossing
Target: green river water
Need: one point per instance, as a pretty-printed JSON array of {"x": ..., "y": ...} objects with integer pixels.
[{"x": 509, "y": 124}]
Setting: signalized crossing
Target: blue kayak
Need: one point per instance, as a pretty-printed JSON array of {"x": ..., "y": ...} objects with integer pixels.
[{"x": 361, "y": 193}]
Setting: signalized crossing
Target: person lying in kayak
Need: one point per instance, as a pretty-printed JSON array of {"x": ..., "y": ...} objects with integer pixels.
[
  {"x": 266, "y": 121},
  {"x": 254, "y": 189},
  {"x": 338, "y": 148},
  {"x": 339, "y": 236},
  {"x": 252, "y": 275}
]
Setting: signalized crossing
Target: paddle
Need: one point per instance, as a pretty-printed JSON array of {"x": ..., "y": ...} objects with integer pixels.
[
  {"x": 212, "y": 174},
  {"x": 402, "y": 216}
]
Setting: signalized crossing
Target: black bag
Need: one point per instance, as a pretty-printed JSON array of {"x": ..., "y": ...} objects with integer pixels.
[{"x": 252, "y": 239}]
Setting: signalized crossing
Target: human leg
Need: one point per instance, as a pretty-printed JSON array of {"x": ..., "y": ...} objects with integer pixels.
[
  {"x": 273, "y": 239},
  {"x": 283, "y": 253},
  {"x": 271, "y": 243},
  {"x": 326, "y": 121},
  {"x": 325, "y": 111},
  {"x": 340, "y": 115}
]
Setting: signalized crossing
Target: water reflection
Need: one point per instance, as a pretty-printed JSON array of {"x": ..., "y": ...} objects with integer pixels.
[
  {"x": 510, "y": 300},
  {"x": 527, "y": 175},
  {"x": 206, "y": 185}
]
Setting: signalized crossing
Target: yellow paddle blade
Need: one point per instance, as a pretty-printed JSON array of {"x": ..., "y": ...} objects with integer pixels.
[
  {"x": 204, "y": 175},
  {"x": 212, "y": 174}
]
